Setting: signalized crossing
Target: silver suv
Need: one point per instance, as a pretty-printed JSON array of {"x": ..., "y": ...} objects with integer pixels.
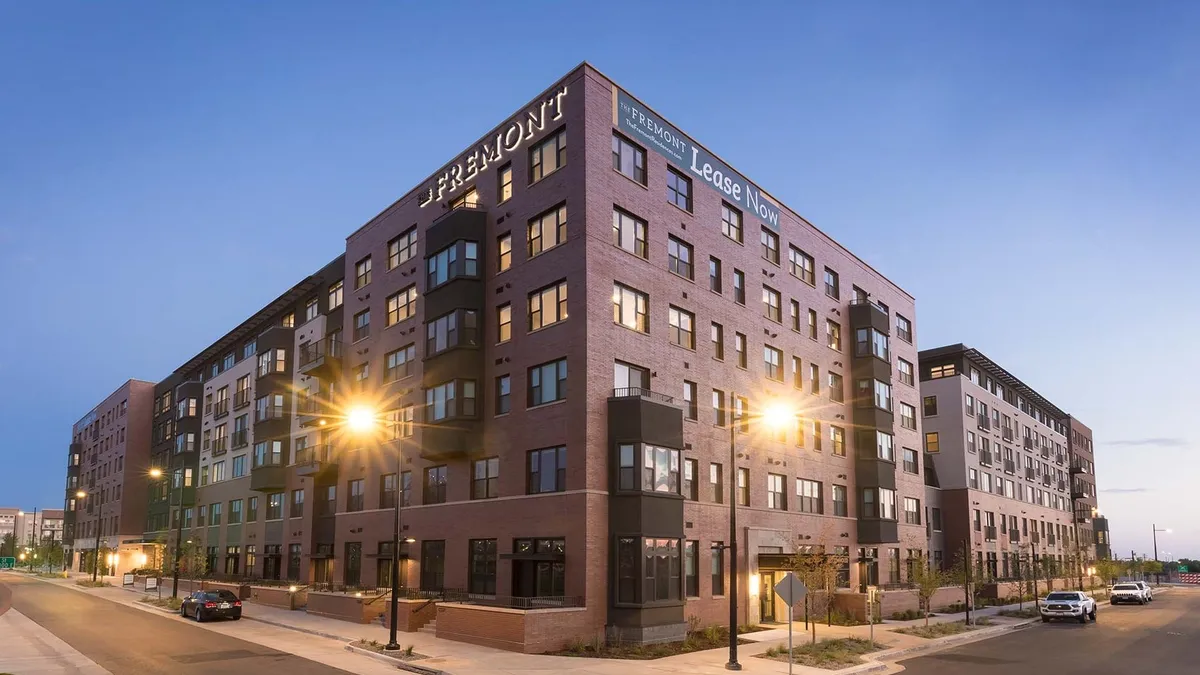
[{"x": 1146, "y": 590}]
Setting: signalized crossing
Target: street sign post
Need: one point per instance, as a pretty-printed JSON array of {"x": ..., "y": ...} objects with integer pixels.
[
  {"x": 8, "y": 563},
  {"x": 791, "y": 590}
]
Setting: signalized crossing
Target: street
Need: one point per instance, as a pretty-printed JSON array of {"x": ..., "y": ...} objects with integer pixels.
[
  {"x": 1160, "y": 637},
  {"x": 125, "y": 640}
]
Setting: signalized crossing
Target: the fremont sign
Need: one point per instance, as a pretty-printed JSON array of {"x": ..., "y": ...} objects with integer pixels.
[
  {"x": 634, "y": 119},
  {"x": 495, "y": 149}
]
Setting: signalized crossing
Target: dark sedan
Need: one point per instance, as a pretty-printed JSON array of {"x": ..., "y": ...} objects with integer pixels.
[{"x": 205, "y": 605}]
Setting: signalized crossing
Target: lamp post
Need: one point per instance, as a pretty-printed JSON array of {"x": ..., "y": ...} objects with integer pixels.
[
  {"x": 96, "y": 549},
  {"x": 158, "y": 473},
  {"x": 1154, "y": 534}
]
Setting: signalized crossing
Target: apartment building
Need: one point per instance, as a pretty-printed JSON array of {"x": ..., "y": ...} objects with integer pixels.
[
  {"x": 107, "y": 462},
  {"x": 41, "y": 525},
  {"x": 226, "y": 434},
  {"x": 1082, "y": 460},
  {"x": 8, "y": 521},
  {"x": 1001, "y": 458}
]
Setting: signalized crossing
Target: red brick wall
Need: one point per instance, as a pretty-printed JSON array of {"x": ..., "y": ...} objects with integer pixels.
[
  {"x": 278, "y": 597},
  {"x": 345, "y": 606},
  {"x": 532, "y": 632}
]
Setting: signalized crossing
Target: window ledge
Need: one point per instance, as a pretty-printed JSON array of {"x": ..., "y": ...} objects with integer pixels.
[
  {"x": 632, "y": 330},
  {"x": 630, "y": 179},
  {"x": 546, "y": 326},
  {"x": 546, "y": 405},
  {"x": 681, "y": 208},
  {"x": 560, "y": 167}
]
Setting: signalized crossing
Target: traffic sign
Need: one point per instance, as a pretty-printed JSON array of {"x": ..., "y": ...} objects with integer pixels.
[
  {"x": 791, "y": 590},
  {"x": 8, "y": 563}
]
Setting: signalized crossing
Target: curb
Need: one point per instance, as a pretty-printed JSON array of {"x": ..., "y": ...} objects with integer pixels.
[
  {"x": 308, "y": 631},
  {"x": 948, "y": 641},
  {"x": 402, "y": 665}
]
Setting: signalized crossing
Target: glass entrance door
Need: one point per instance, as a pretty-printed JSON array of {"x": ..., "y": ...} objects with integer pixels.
[{"x": 766, "y": 597}]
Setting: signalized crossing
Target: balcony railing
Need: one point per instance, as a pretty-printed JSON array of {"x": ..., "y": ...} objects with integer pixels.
[
  {"x": 1014, "y": 536},
  {"x": 1028, "y": 444},
  {"x": 1045, "y": 452},
  {"x": 985, "y": 457},
  {"x": 983, "y": 422},
  {"x": 315, "y": 454},
  {"x": 989, "y": 532},
  {"x": 641, "y": 392},
  {"x": 218, "y": 446},
  {"x": 240, "y": 438},
  {"x": 1009, "y": 466},
  {"x": 221, "y": 408},
  {"x": 271, "y": 412},
  {"x": 1006, "y": 433},
  {"x": 1062, "y": 485},
  {"x": 510, "y": 602},
  {"x": 314, "y": 351},
  {"x": 1077, "y": 468},
  {"x": 241, "y": 398},
  {"x": 1035, "y": 537},
  {"x": 1029, "y": 473}
]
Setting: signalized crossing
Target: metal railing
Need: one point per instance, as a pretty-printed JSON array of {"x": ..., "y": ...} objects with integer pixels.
[
  {"x": 314, "y": 454},
  {"x": 983, "y": 422},
  {"x": 320, "y": 349},
  {"x": 1009, "y": 466},
  {"x": 511, "y": 602},
  {"x": 1028, "y": 443},
  {"x": 221, "y": 408},
  {"x": 641, "y": 392}
]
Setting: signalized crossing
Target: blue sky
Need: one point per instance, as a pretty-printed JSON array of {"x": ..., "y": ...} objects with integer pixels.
[{"x": 1028, "y": 171}]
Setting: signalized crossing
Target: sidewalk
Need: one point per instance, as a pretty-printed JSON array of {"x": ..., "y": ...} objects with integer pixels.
[
  {"x": 323, "y": 639},
  {"x": 30, "y": 649}
]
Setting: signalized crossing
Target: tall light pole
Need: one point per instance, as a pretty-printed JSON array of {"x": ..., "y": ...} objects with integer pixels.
[
  {"x": 158, "y": 473},
  {"x": 1154, "y": 534}
]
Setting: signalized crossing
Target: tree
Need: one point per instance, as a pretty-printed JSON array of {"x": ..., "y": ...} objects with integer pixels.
[
  {"x": 1154, "y": 567},
  {"x": 1049, "y": 570},
  {"x": 818, "y": 571},
  {"x": 193, "y": 561},
  {"x": 1108, "y": 570},
  {"x": 960, "y": 573},
  {"x": 1137, "y": 567},
  {"x": 927, "y": 580},
  {"x": 8, "y": 546}
]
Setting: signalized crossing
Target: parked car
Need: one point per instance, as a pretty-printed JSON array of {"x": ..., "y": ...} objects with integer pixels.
[
  {"x": 1068, "y": 605},
  {"x": 1129, "y": 593},
  {"x": 205, "y": 605},
  {"x": 1147, "y": 590}
]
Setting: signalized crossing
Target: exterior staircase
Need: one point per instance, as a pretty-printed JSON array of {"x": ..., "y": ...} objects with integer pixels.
[{"x": 429, "y": 628}]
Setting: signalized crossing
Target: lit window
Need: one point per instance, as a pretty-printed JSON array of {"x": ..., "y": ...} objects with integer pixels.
[
  {"x": 679, "y": 257},
  {"x": 402, "y": 248},
  {"x": 504, "y": 252},
  {"x": 682, "y": 325},
  {"x": 802, "y": 266},
  {"x": 629, "y": 232},
  {"x": 548, "y": 306},
  {"x": 548, "y": 156},
  {"x": 630, "y": 308},
  {"x": 362, "y": 272},
  {"x": 548, "y": 230},
  {"x": 629, "y": 159}
]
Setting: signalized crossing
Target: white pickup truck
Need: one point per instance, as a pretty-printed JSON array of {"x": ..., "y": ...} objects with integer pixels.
[
  {"x": 1130, "y": 593},
  {"x": 1068, "y": 605}
]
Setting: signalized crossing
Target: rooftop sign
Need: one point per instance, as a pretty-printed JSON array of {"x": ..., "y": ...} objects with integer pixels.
[{"x": 646, "y": 127}]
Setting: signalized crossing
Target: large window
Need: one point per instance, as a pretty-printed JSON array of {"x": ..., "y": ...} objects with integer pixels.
[
  {"x": 547, "y": 470},
  {"x": 482, "y": 576},
  {"x": 776, "y": 492},
  {"x": 884, "y": 445},
  {"x": 832, "y": 284},
  {"x": 679, "y": 189},
  {"x": 833, "y": 334},
  {"x": 808, "y": 494},
  {"x": 839, "y": 501},
  {"x": 868, "y": 341},
  {"x": 731, "y": 222},
  {"x": 270, "y": 361},
  {"x": 903, "y": 329},
  {"x": 770, "y": 245},
  {"x": 631, "y": 308},
  {"x": 772, "y": 304},
  {"x": 399, "y": 363},
  {"x": 459, "y": 328},
  {"x": 801, "y": 265},
  {"x": 485, "y": 479},
  {"x": 879, "y": 502},
  {"x": 627, "y": 376},
  {"x": 434, "y": 491},
  {"x": 905, "y": 369},
  {"x": 908, "y": 416},
  {"x": 659, "y": 468},
  {"x": 548, "y": 156},
  {"x": 679, "y": 257},
  {"x": 773, "y": 361},
  {"x": 455, "y": 398},
  {"x": 629, "y": 232},
  {"x": 402, "y": 305},
  {"x": 661, "y": 570},
  {"x": 457, "y": 260},
  {"x": 548, "y": 382},
  {"x": 548, "y": 230},
  {"x": 548, "y": 306},
  {"x": 362, "y": 325},
  {"x": 402, "y": 248},
  {"x": 683, "y": 327},
  {"x": 504, "y": 323},
  {"x": 628, "y": 158},
  {"x": 876, "y": 393},
  {"x": 912, "y": 511},
  {"x": 362, "y": 272}
]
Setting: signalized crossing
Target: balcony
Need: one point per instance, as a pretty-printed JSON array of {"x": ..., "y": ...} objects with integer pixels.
[
  {"x": 1051, "y": 540},
  {"x": 1077, "y": 469},
  {"x": 1035, "y": 537},
  {"x": 311, "y": 412},
  {"x": 640, "y": 392},
  {"x": 315, "y": 460},
  {"x": 322, "y": 359},
  {"x": 1006, "y": 433},
  {"x": 1028, "y": 443},
  {"x": 1060, "y": 459},
  {"x": 1045, "y": 452},
  {"x": 1062, "y": 485},
  {"x": 218, "y": 447},
  {"x": 241, "y": 398},
  {"x": 268, "y": 478},
  {"x": 985, "y": 457},
  {"x": 983, "y": 422},
  {"x": 989, "y": 533},
  {"x": 1083, "y": 517},
  {"x": 240, "y": 438},
  {"x": 1077, "y": 492},
  {"x": 1046, "y": 480},
  {"x": 1029, "y": 475},
  {"x": 1009, "y": 467},
  {"x": 1014, "y": 536},
  {"x": 220, "y": 408}
]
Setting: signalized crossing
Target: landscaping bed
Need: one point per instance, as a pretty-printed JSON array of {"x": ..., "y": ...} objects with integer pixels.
[
  {"x": 1026, "y": 613},
  {"x": 405, "y": 654},
  {"x": 831, "y": 654},
  {"x": 937, "y": 630},
  {"x": 166, "y": 603},
  {"x": 88, "y": 583},
  {"x": 713, "y": 637}
]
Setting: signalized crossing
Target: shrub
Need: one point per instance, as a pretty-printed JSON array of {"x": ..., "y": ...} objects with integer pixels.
[
  {"x": 830, "y": 654},
  {"x": 907, "y": 615},
  {"x": 88, "y": 583},
  {"x": 839, "y": 618},
  {"x": 936, "y": 630}
]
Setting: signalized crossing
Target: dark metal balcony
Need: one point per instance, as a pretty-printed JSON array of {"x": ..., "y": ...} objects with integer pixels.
[
  {"x": 1006, "y": 433},
  {"x": 1014, "y": 536},
  {"x": 220, "y": 408},
  {"x": 983, "y": 422},
  {"x": 640, "y": 392},
  {"x": 989, "y": 533},
  {"x": 1051, "y": 540},
  {"x": 322, "y": 359},
  {"x": 1009, "y": 466},
  {"x": 1035, "y": 537},
  {"x": 311, "y": 412},
  {"x": 316, "y": 460},
  {"x": 219, "y": 446},
  {"x": 1083, "y": 517},
  {"x": 1045, "y": 452},
  {"x": 1029, "y": 475},
  {"x": 241, "y": 398},
  {"x": 1028, "y": 443},
  {"x": 1077, "y": 492},
  {"x": 1062, "y": 485},
  {"x": 240, "y": 438},
  {"x": 985, "y": 457},
  {"x": 268, "y": 478}
]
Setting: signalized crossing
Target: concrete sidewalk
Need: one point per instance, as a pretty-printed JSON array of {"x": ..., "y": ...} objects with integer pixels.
[
  {"x": 30, "y": 649},
  {"x": 271, "y": 627}
]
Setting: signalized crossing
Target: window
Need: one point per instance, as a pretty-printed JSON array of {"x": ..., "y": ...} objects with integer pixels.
[
  {"x": 435, "y": 486},
  {"x": 776, "y": 492},
  {"x": 912, "y": 511},
  {"x": 839, "y": 501},
  {"x": 235, "y": 512},
  {"x": 714, "y": 275},
  {"x": 387, "y": 491},
  {"x": 690, "y": 473},
  {"x": 451, "y": 330},
  {"x": 548, "y": 382},
  {"x": 679, "y": 189},
  {"x": 691, "y": 572},
  {"x": 297, "y": 510},
  {"x": 310, "y": 313},
  {"x": 812, "y": 324},
  {"x": 908, "y": 416},
  {"x": 503, "y": 394},
  {"x": 833, "y": 334},
  {"x": 547, "y": 470},
  {"x": 885, "y": 447},
  {"x": 251, "y": 509},
  {"x": 485, "y": 480},
  {"x": 659, "y": 468},
  {"x": 401, "y": 306},
  {"x": 743, "y": 481},
  {"x": 718, "y": 340},
  {"x": 504, "y": 323},
  {"x": 679, "y": 257},
  {"x": 504, "y": 252},
  {"x": 910, "y": 461},
  {"x": 718, "y": 401},
  {"x": 797, "y": 373},
  {"x": 398, "y": 363},
  {"x": 689, "y": 400},
  {"x": 879, "y": 503},
  {"x": 731, "y": 222},
  {"x": 548, "y": 306},
  {"x": 443, "y": 401},
  {"x": 739, "y": 286},
  {"x": 931, "y": 442},
  {"x": 270, "y": 361},
  {"x": 362, "y": 272},
  {"x": 362, "y": 325},
  {"x": 628, "y": 376},
  {"x": 870, "y": 342},
  {"x": 682, "y": 332},
  {"x": 239, "y": 466},
  {"x": 274, "y": 506},
  {"x": 548, "y": 156},
  {"x": 218, "y": 472},
  {"x": 814, "y": 378},
  {"x": 770, "y": 246},
  {"x": 903, "y": 329},
  {"x": 930, "y": 405},
  {"x": 629, "y": 233},
  {"x": 362, "y": 373},
  {"x": 946, "y": 370},
  {"x": 739, "y": 347},
  {"x": 629, "y": 159},
  {"x": 795, "y": 314},
  {"x": 717, "y": 568},
  {"x": 837, "y": 390},
  {"x": 402, "y": 248},
  {"x": 457, "y": 260},
  {"x": 715, "y": 484},
  {"x": 773, "y": 361},
  {"x": 801, "y": 265},
  {"x": 504, "y": 180},
  {"x": 832, "y": 287},
  {"x": 809, "y": 496},
  {"x": 772, "y": 307},
  {"x": 630, "y": 308},
  {"x": 662, "y": 570},
  {"x": 906, "y": 371},
  {"x": 482, "y": 574},
  {"x": 548, "y": 230},
  {"x": 288, "y": 321}
]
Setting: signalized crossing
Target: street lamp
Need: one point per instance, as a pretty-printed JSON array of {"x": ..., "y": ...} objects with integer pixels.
[
  {"x": 361, "y": 420},
  {"x": 156, "y": 472},
  {"x": 774, "y": 416},
  {"x": 1154, "y": 534}
]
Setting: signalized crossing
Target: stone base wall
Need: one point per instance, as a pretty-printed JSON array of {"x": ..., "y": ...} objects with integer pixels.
[
  {"x": 345, "y": 606},
  {"x": 410, "y": 614},
  {"x": 278, "y": 596},
  {"x": 531, "y": 632}
]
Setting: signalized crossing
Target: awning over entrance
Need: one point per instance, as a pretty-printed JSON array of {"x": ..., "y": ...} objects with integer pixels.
[{"x": 774, "y": 561}]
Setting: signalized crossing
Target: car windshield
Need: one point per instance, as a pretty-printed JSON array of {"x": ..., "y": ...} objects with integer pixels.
[
  {"x": 1125, "y": 587},
  {"x": 1063, "y": 596}
]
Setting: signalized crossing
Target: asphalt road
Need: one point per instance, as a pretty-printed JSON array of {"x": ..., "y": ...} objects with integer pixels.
[
  {"x": 1161, "y": 637},
  {"x": 126, "y": 640}
]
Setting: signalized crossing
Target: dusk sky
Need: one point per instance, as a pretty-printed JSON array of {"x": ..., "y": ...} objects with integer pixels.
[{"x": 1029, "y": 171}]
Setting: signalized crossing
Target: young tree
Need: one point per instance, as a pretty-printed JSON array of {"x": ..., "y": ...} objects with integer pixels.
[
  {"x": 1109, "y": 570},
  {"x": 1049, "y": 571},
  {"x": 818, "y": 570},
  {"x": 1154, "y": 567},
  {"x": 193, "y": 562},
  {"x": 8, "y": 546},
  {"x": 927, "y": 580},
  {"x": 962, "y": 573}
]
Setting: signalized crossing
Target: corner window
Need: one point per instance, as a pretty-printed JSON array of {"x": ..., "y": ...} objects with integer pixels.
[
  {"x": 548, "y": 156},
  {"x": 460, "y": 259},
  {"x": 870, "y": 342},
  {"x": 657, "y": 467},
  {"x": 456, "y": 329},
  {"x": 629, "y": 159},
  {"x": 455, "y": 398}
]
